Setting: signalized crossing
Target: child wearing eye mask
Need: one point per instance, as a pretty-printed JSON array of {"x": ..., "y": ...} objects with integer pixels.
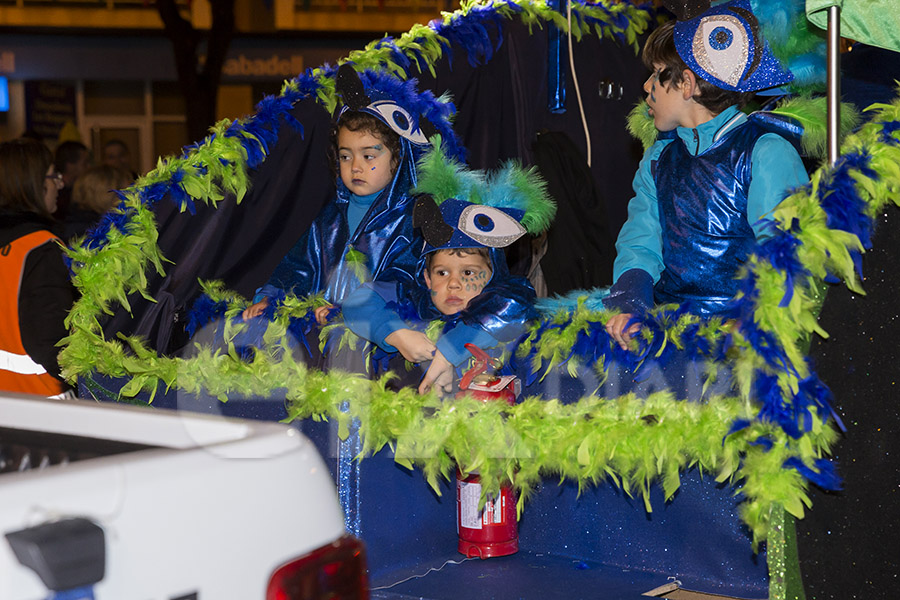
[
  {"x": 704, "y": 186},
  {"x": 462, "y": 278},
  {"x": 366, "y": 230}
]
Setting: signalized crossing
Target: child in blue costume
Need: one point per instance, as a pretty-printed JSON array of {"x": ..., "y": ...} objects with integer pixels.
[
  {"x": 367, "y": 230},
  {"x": 702, "y": 189},
  {"x": 466, "y": 219}
]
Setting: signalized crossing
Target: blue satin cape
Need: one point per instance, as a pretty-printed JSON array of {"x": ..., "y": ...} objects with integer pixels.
[{"x": 385, "y": 237}]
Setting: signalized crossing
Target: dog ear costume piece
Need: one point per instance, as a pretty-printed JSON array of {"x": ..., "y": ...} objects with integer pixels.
[
  {"x": 350, "y": 88},
  {"x": 427, "y": 217}
]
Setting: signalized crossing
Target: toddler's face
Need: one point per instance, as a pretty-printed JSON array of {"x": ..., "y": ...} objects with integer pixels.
[
  {"x": 365, "y": 162},
  {"x": 454, "y": 279}
]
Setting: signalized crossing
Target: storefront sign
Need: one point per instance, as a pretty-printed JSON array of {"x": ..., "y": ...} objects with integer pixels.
[{"x": 273, "y": 66}]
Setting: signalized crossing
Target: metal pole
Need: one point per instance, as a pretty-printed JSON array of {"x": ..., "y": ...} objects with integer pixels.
[{"x": 834, "y": 83}]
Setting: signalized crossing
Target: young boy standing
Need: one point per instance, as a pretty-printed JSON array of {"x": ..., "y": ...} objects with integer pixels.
[{"x": 713, "y": 173}]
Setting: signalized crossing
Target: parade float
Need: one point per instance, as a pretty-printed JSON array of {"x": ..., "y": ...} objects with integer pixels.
[{"x": 625, "y": 479}]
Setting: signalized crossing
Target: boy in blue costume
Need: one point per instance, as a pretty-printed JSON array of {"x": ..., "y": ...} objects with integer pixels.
[
  {"x": 462, "y": 278},
  {"x": 367, "y": 230},
  {"x": 702, "y": 189}
]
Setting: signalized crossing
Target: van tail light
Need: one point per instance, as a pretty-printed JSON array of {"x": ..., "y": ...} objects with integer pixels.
[{"x": 333, "y": 572}]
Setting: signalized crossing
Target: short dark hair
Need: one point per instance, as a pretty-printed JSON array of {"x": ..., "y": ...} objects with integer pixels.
[
  {"x": 479, "y": 250},
  {"x": 24, "y": 164},
  {"x": 354, "y": 120},
  {"x": 67, "y": 153},
  {"x": 659, "y": 49}
]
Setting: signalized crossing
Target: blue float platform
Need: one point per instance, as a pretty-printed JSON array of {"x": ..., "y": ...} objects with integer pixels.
[{"x": 599, "y": 543}]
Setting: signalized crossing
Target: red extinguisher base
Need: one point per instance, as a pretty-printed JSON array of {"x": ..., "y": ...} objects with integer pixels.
[{"x": 482, "y": 550}]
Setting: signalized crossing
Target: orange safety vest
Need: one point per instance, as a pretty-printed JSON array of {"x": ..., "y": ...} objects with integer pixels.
[{"x": 18, "y": 372}]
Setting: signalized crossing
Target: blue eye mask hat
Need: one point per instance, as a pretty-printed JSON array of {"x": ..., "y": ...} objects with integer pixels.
[
  {"x": 724, "y": 46},
  {"x": 463, "y": 208},
  {"x": 414, "y": 116}
]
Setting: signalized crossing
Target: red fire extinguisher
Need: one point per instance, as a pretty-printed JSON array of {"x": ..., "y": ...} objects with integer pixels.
[{"x": 493, "y": 530}]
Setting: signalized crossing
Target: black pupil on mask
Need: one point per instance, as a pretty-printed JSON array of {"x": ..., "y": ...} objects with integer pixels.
[
  {"x": 400, "y": 120},
  {"x": 484, "y": 223}
]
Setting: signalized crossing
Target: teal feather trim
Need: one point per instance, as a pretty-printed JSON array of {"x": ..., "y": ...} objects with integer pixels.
[
  {"x": 516, "y": 187},
  {"x": 511, "y": 186}
]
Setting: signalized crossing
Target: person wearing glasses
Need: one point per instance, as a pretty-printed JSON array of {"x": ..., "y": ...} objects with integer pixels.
[{"x": 35, "y": 290}]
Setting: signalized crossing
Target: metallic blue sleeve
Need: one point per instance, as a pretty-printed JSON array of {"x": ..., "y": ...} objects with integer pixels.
[
  {"x": 366, "y": 313},
  {"x": 631, "y": 293},
  {"x": 453, "y": 343},
  {"x": 503, "y": 308}
]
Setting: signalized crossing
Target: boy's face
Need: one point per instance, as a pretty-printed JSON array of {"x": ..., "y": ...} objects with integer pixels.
[
  {"x": 454, "y": 279},
  {"x": 666, "y": 101},
  {"x": 365, "y": 162}
]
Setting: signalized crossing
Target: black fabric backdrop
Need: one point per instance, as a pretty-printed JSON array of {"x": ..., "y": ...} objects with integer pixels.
[
  {"x": 502, "y": 105},
  {"x": 848, "y": 542}
]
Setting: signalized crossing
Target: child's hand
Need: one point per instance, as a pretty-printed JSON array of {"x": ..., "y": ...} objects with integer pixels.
[
  {"x": 413, "y": 345},
  {"x": 322, "y": 314},
  {"x": 254, "y": 310},
  {"x": 439, "y": 375},
  {"x": 615, "y": 327}
]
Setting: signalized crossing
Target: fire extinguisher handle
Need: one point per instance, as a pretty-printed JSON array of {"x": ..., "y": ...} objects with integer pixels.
[
  {"x": 482, "y": 360},
  {"x": 483, "y": 357},
  {"x": 479, "y": 354}
]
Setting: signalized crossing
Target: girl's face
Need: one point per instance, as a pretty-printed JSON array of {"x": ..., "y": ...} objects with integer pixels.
[
  {"x": 52, "y": 184},
  {"x": 365, "y": 162}
]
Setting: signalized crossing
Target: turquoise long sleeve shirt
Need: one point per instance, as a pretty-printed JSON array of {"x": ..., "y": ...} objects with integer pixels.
[{"x": 776, "y": 168}]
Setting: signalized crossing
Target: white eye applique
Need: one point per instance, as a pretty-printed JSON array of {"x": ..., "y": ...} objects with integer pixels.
[
  {"x": 399, "y": 120},
  {"x": 721, "y": 46},
  {"x": 489, "y": 226}
]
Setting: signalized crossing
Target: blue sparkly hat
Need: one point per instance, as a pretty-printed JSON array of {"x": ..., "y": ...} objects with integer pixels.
[
  {"x": 724, "y": 46},
  {"x": 463, "y": 208}
]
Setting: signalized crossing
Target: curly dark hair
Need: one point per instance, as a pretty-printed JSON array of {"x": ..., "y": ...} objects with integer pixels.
[
  {"x": 659, "y": 49},
  {"x": 353, "y": 120}
]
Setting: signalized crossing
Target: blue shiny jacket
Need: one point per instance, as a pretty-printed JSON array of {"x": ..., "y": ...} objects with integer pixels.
[{"x": 321, "y": 259}]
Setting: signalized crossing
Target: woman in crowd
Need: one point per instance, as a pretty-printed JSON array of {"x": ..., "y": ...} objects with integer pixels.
[{"x": 35, "y": 291}]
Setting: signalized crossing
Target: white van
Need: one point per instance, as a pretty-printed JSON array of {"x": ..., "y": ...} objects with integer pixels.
[{"x": 117, "y": 502}]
